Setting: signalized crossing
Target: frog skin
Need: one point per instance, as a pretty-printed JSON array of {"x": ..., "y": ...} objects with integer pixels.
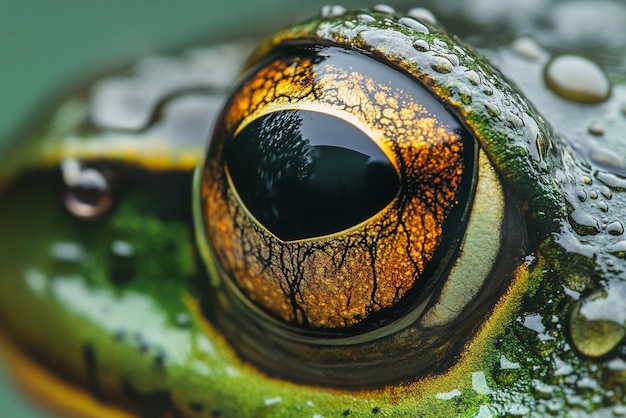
[{"x": 112, "y": 302}]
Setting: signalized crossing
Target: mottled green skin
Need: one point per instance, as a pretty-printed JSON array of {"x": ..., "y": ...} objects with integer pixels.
[{"x": 142, "y": 342}]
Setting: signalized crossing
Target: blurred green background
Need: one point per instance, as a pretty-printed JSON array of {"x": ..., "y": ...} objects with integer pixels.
[{"x": 44, "y": 45}]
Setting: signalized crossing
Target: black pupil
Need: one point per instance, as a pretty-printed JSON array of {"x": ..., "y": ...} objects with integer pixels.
[{"x": 304, "y": 174}]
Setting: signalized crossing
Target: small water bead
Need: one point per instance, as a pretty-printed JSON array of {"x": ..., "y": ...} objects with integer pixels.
[
  {"x": 413, "y": 24},
  {"x": 349, "y": 24},
  {"x": 365, "y": 18},
  {"x": 582, "y": 196},
  {"x": 473, "y": 77},
  {"x": 333, "y": 11},
  {"x": 527, "y": 47},
  {"x": 423, "y": 15},
  {"x": 441, "y": 65},
  {"x": 88, "y": 193},
  {"x": 615, "y": 228},
  {"x": 384, "y": 8},
  {"x": 421, "y": 45},
  {"x": 577, "y": 79},
  {"x": 603, "y": 206},
  {"x": 596, "y": 129}
]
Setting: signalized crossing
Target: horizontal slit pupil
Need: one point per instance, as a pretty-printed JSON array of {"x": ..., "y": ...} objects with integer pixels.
[{"x": 304, "y": 174}]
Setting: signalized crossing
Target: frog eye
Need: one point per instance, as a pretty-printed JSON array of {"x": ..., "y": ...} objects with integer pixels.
[{"x": 347, "y": 208}]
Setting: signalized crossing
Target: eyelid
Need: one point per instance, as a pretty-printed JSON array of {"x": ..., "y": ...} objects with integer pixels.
[{"x": 478, "y": 251}]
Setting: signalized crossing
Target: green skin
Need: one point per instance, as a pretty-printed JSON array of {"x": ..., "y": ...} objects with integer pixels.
[{"x": 139, "y": 340}]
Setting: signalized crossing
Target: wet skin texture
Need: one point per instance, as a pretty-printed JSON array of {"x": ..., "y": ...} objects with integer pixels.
[{"x": 115, "y": 277}]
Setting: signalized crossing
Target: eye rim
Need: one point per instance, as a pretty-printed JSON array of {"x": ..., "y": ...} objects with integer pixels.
[{"x": 507, "y": 151}]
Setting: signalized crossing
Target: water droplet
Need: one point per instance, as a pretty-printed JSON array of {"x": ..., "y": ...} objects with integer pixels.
[
  {"x": 349, "y": 24},
  {"x": 578, "y": 79},
  {"x": 582, "y": 196},
  {"x": 332, "y": 11},
  {"x": 593, "y": 194},
  {"x": 422, "y": 14},
  {"x": 598, "y": 322},
  {"x": 384, "y": 8},
  {"x": 88, "y": 193},
  {"x": 527, "y": 47},
  {"x": 596, "y": 129},
  {"x": 453, "y": 59},
  {"x": 421, "y": 45},
  {"x": 473, "y": 77},
  {"x": 366, "y": 18},
  {"x": 584, "y": 223},
  {"x": 615, "y": 228},
  {"x": 413, "y": 24},
  {"x": 603, "y": 206},
  {"x": 441, "y": 65}
]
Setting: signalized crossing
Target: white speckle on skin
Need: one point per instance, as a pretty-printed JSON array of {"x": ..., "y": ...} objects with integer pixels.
[
  {"x": 561, "y": 368},
  {"x": 67, "y": 251},
  {"x": 36, "y": 281},
  {"x": 204, "y": 345},
  {"x": 479, "y": 383},
  {"x": 231, "y": 371},
  {"x": 483, "y": 412},
  {"x": 506, "y": 364},
  {"x": 122, "y": 248},
  {"x": 446, "y": 396},
  {"x": 272, "y": 401}
]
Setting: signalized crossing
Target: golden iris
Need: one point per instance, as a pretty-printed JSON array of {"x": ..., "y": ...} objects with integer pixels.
[{"x": 305, "y": 239}]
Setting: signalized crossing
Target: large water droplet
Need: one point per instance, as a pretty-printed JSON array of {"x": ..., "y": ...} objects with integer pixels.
[
  {"x": 578, "y": 79},
  {"x": 88, "y": 193},
  {"x": 598, "y": 322}
]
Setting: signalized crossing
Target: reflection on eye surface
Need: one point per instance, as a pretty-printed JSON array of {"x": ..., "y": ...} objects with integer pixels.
[
  {"x": 383, "y": 225},
  {"x": 291, "y": 167}
]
